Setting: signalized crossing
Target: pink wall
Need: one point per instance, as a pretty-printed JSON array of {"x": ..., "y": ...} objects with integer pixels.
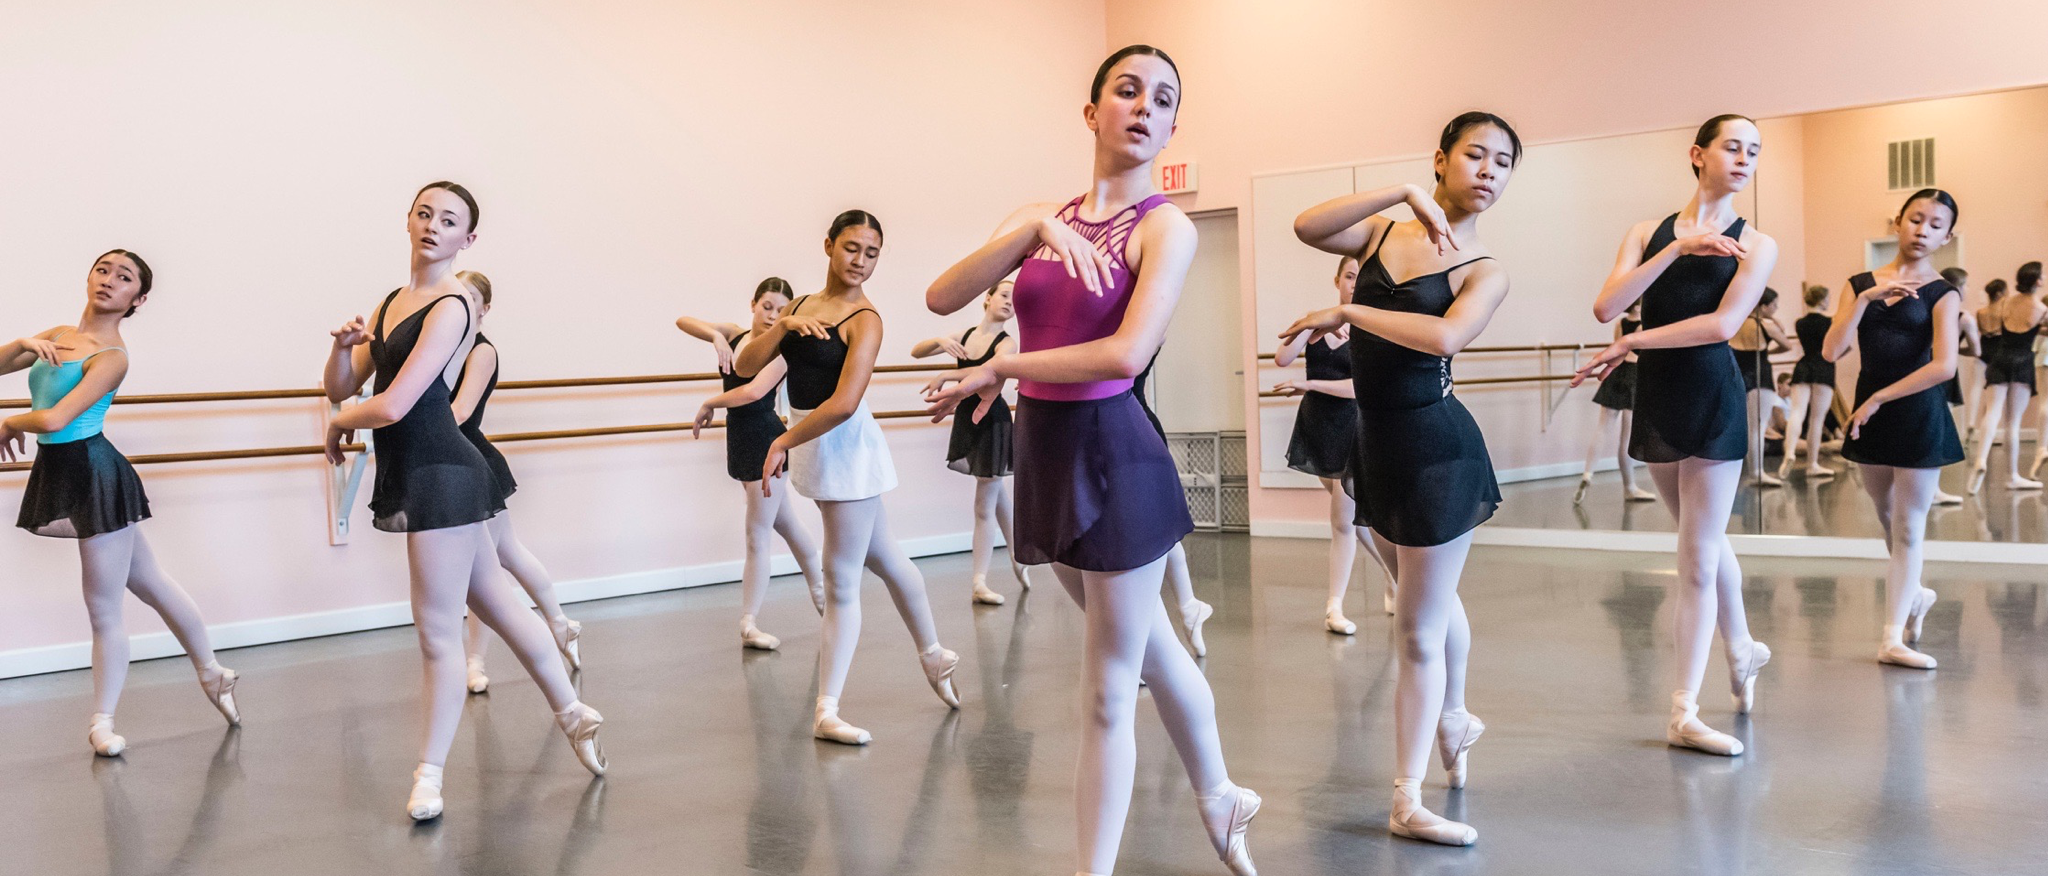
[
  {"x": 1278, "y": 86},
  {"x": 635, "y": 160}
]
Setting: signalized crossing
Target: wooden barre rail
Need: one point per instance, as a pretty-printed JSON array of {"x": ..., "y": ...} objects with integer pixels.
[
  {"x": 555, "y": 383},
  {"x": 316, "y": 450},
  {"x": 1469, "y": 381},
  {"x": 1537, "y": 348}
]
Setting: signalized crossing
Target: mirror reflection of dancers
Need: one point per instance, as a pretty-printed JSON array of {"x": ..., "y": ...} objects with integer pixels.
[
  {"x": 1813, "y": 388},
  {"x": 1617, "y": 398},
  {"x": 838, "y": 458},
  {"x": 751, "y": 425},
  {"x": 982, "y": 448},
  {"x": 1699, "y": 274},
  {"x": 1180, "y": 580},
  {"x": 2009, "y": 325},
  {"x": 1987, "y": 331},
  {"x": 1754, "y": 344},
  {"x": 81, "y": 488},
  {"x": 1970, "y": 346},
  {"x": 435, "y": 486},
  {"x": 1324, "y": 439},
  {"x": 1097, "y": 492},
  {"x": 1423, "y": 475},
  {"x": 474, "y": 385},
  {"x": 1903, "y": 318}
]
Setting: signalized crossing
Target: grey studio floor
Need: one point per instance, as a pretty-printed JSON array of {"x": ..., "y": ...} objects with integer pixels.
[{"x": 1853, "y": 767}]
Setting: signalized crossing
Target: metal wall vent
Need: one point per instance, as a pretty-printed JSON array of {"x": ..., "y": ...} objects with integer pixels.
[{"x": 1910, "y": 164}]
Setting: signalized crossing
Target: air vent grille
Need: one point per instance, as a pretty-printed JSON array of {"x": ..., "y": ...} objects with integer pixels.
[{"x": 1910, "y": 164}]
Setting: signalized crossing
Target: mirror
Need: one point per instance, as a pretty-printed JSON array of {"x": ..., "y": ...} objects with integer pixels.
[{"x": 1827, "y": 188}]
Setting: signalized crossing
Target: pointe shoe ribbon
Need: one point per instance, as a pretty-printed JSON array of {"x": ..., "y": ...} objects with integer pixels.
[
  {"x": 828, "y": 726},
  {"x": 425, "y": 803},
  {"x": 939, "y": 664},
  {"x": 219, "y": 683},
  {"x": 1455, "y": 733},
  {"x": 1686, "y": 730},
  {"x": 752, "y": 637},
  {"x": 983, "y": 595},
  {"x": 1227, "y": 825},
  {"x": 100, "y": 733},
  {"x": 1335, "y": 621},
  {"x": 580, "y": 723},
  {"x": 1408, "y": 818}
]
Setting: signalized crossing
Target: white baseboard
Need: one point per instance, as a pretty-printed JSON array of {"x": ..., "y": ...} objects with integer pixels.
[
  {"x": 78, "y": 655},
  {"x": 1667, "y": 543}
]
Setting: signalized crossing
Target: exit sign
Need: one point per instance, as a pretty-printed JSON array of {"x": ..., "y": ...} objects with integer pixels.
[{"x": 1177, "y": 178}]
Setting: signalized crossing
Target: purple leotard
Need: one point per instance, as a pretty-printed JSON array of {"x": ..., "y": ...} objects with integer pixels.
[{"x": 1055, "y": 310}]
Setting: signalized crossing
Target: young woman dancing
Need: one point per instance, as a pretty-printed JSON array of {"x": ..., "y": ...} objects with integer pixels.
[
  {"x": 1424, "y": 478},
  {"x": 435, "y": 486},
  {"x": 983, "y": 448},
  {"x": 1759, "y": 338},
  {"x": 1617, "y": 398},
  {"x": 81, "y": 488},
  {"x": 2009, "y": 323},
  {"x": 751, "y": 425},
  {"x": 1699, "y": 274},
  {"x": 837, "y": 457},
  {"x": 1903, "y": 317},
  {"x": 1097, "y": 493},
  {"x": 473, "y": 387},
  {"x": 1813, "y": 387},
  {"x": 1325, "y": 439}
]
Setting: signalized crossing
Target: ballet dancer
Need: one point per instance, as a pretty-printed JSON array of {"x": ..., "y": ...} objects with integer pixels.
[
  {"x": 1699, "y": 274},
  {"x": 1972, "y": 346},
  {"x": 837, "y": 457},
  {"x": 436, "y": 487},
  {"x": 81, "y": 488},
  {"x": 1813, "y": 387},
  {"x": 1617, "y": 398},
  {"x": 1324, "y": 440},
  {"x": 1903, "y": 318},
  {"x": 473, "y": 387},
  {"x": 982, "y": 449},
  {"x": 1754, "y": 344},
  {"x": 2009, "y": 324},
  {"x": 1988, "y": 345},
  {"x": 1097, "y": 492},
  {"x": 751, "y": 424},
  {"x": 1424, "y": 478},
  {"x": 1180, "y": 582}
]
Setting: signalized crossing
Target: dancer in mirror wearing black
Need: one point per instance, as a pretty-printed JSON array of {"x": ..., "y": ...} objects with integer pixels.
[
  {"x": 1424, "y": 480},
  {"x": 435, "y": 486},
  {"x": 1754, "y": 344},
  {"x": 1903, "y": 318},
  {"x": 1616, "y": 398},
  {"x": 1324, "y": 440},
  {"x": 1097, "y": 492},
  {"x": 1988, "y": 331},
  {"x": 474, "y": 385},
  {"x": 81, "y": 488},
  {"x": 1970, "y": 346},
  {"x": 2010, "y": 324},
  {"x": 1698, "y": 273},
  {"x": 751, "y": 425},
  {"x": 837, "y": 457},
  {"x": 982, "y": 448},
  {"x": 1813, "y": 388}
]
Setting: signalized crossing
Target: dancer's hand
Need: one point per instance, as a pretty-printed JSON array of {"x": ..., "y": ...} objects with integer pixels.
[
  {"x": 336, "y": 437},
  {"x": 1290, "y": 387},
  {"x": 351, "y": 333},
  {"x": 953, "y": 348},
  {"x": 1887, "y": 293},
  {"x": 1319, "y": 323},
  {"x": 703, "y": 419},
  {"x": 1079, "y": 255},
  {"x": 1605, "y": 361},
  {"x": 13, "y": 444},
  {"x": 1431, "y": 214},
  {"x": 45, "y": 350},
  {"x": 724, "y": 352},
  {"x": 1711, "y": 245},
  {"x": 1862, "y": 415},
  {"x": 776, "y": 463},
  {"x": 802, "y": 325},
  {"x": 945, "y": 393}
]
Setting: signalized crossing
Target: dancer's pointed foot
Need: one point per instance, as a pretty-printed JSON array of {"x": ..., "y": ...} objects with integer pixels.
[
  {"x": 752, "y": 637},
  {"x": 1638, "y": 494},
  {"x": 1387, "y": 599},
  {"x": 817, "y": 585},
  {"x": 580, "y": 723},
  {"x": 219, "y": 683},
  {"x": 478, "y": 681},
  {"x": 1941, "y": 498},
  {"x": 1579, "y": 495},
  {"x": 1686, "y": 730},
  {"x": 1744, "y": 662},
  {"x": 1022, "y": 573},
  {"x": 826, "y": 725},
  {"x": 2019, "y": 483},
  {"x": 983, "y": 595},
  {"x": 2034, "y": 471},
  {"x": 939, "y": 664},
  {"x": 1335, "y": 621},
  {"x": 1922, "y": 602},
  {"x": 1193, "y": 614},
  {"x": 1817, "y": 473},
  {"x": 1227, "y": 812},
  {"x": 425, "y": 802},
  {"x": 1897, "y": 653},
  {"x": 1976, "y": 480},
  {"x": 1411, "y": 820},
  {"x": 567, "y": 632},
  {"x": 105, "y": 742},
  {"x": 1455, "y": 733},
  {"x": 1766, "y": 479}
]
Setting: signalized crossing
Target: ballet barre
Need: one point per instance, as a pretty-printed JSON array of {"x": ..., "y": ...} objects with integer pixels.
[
  {"x": 1545, "y": 380},
  {"x": 1530, "y": 348}
]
